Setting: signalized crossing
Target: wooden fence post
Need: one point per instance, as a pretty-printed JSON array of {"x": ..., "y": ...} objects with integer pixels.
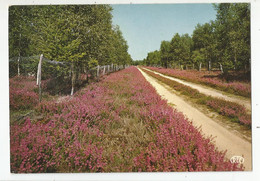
[{"x": 39, "y": 77}]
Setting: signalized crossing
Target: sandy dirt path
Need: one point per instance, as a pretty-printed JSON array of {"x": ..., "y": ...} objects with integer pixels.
[
  {"x": 211, "y": 92},
  {"x": 224, "y": 139}
]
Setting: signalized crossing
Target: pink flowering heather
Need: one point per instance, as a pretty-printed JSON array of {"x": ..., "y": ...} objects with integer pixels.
[
  {"x": 209, "y": 79},
  {"x": 119, "y": 124},
  {"x": 23, "y": 93}
]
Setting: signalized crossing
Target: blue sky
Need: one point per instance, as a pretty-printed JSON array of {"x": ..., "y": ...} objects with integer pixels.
[{"x": 144, "y": 26}]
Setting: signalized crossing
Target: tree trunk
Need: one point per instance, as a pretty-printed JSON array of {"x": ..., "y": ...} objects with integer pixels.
[
  {"x": 104, "y": 70},
  {"x": 98, "y": 71},
  {"x": 221, "y": 68},
  {"x": 73, "y": 78},
  {"x": 209, "y": 65},
  {"x": 18, "y": 71},
  {"x": 200, "y": 66},
  {"x": 20, "y": 35}
]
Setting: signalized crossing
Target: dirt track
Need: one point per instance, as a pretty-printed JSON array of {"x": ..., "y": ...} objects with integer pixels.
[
  {"x": 224, "y": 139},
  {"x": 211, "y": 92}
]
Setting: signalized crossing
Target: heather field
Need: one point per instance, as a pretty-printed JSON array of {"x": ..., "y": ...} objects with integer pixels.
[
  {"x": 234, "y": 84},
  {"x": 119, "y": 124},
  {"x": 23, "y": 93}
]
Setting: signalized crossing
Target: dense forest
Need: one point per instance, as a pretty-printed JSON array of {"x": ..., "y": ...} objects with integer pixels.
[
  {"x": 223, "y": 44},
  {"x": 81, "y": 35}
]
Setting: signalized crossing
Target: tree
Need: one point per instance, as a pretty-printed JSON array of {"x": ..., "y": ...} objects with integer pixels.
[
  {"x": 175, "y": 52},
  {"x": 119, "y": 48},
  {"x": 204, "y": 42},
  {"x": 165, "y": 49},
  {"x": 186, "y": 46},
  {"x": 180, "y": 51},
  {"x": 19, "y": 30},
  {"x": 74, "y": 34},
  {"x": 233, "y": 35},
  {"x": 153, "y": 58},
  {"x": 198, "y": 57}
]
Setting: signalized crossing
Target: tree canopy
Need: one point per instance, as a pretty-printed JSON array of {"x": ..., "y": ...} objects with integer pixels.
[
  {"x": 68, "y": 33},
  {"x": 224, "y": 42}
]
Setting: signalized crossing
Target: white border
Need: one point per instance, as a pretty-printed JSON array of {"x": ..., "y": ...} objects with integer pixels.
[{"x": 200, "y": 176}]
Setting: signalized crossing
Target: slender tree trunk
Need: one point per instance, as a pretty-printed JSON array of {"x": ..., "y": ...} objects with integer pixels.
[
  {"x": 18, "y": 71},
  {"x": 209, "y": 65},
  {"x": 104, "y": 70},
  {"x": 221, "y": 68},
  {"x": 98, "y": 72},
  {"x": 200, "y": 66},
  {"x": 20, "y": 37},
  {"x": 73, "y": 78}
]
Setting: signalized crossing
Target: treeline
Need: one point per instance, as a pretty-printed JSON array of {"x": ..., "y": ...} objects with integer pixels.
[
  {"x": 81, "y": 35},
  {"x": 223, "y": 43}
]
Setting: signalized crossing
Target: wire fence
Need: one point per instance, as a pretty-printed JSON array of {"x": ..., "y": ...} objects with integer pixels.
[{"x": 59, "y": 77}]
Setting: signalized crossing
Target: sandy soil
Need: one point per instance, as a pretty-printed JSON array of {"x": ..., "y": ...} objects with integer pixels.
[
  {"x": 224, "y": 139},
  {"x": 212, "y": 92}
]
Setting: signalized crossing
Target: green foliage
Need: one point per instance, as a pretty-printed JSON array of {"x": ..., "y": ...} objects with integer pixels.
[
  {"x": 205, "y": 42},
  {"x": 198, "y": 56},
  {"x": 233, "y": 35},
  {"x": 153, "y": 58},
  {"x": 74, "y": 34},
  {"x": 165, "y": 49},
  {"x": 118, "y": 50},
  {"x": 19, "y": 30},
  {"x": 180, "y": 51},
  {"x": 225, "y": 42},
  {"x": 92, "y": 63}
]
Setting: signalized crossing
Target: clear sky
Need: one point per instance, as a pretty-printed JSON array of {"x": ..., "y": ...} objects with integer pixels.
[{"x": 144, "y": 26}]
